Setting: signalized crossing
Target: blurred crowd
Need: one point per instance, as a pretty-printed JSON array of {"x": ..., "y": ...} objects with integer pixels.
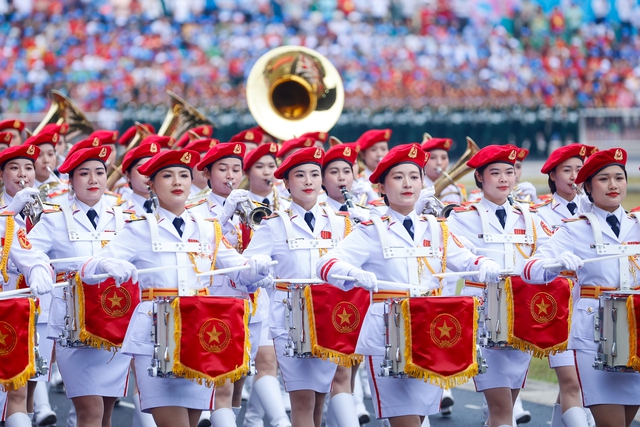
[{"x": 392, "y": 54}]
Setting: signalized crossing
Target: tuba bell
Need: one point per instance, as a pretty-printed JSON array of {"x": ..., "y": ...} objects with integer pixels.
[
  {"x": 64, "y": 110},
  {"x": 458, "y": 170},
  {"x": 292, "y": 90},
  {"x": 181, "y": 117},
  {"x": 141, "y": 133}
]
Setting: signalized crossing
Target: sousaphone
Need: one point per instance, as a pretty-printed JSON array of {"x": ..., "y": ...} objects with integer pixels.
[{"x": 64, "y": 110}]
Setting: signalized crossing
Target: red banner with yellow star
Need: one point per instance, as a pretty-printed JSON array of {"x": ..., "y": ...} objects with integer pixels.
[
  {"x": 212, "y": 338},
  {"x": 17, "y": 346},
  {"x": 633, "y": 321},
  {"x": 440, "y": 339},
  {"x": 335, "y": 319},
  {"x": 539, "y": 316},
  {"x": 104, "y": 311}
]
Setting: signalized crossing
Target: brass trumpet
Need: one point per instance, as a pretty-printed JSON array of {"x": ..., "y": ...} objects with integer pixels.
[
  {"x": 250, "y": 215},
  {"x": 32, "y": 210},
  {"x": 579, "y": 191},
  {"x": 44, "y": 189}
]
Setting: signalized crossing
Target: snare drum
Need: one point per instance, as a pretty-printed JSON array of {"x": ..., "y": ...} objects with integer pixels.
[
  {"x": 612, "y": 326},
  {"x": 394, "y": 361},
  {"x": 297, "y": 317},
  {"x": 494, "y": 332},
  {"x": 164, "y": 343}
]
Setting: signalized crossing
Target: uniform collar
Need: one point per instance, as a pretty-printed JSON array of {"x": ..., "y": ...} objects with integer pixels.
[
  {"x": 218, "y": 200},
  {"x": 163, "y": 213},
  {"x": 138, "y": 200},
  {"x": 257, "y": 198},
  {"x": 398, "y": 217},
  {"x": 494, "y": 207},
  {"x": 298, "y": 210},
  {"x": 334, "y": 204},
  {"x": 85, "y": 208},
  {"x": 619, "y": 213}
]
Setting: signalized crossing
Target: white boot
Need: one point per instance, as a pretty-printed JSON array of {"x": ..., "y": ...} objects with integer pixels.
[
  {"x": 254, "y": 413},
  {"x": 19, "y": 419},
  {"x": 267, "y": 389},
  {"x": 521, "y": 415},
  {"x": 556, "y": 416},
  {"x": 236, "y": 410},
  {"x": 204, "y": 420},
  {"x": 590, "y": 419},
  {"x": 44, "y": 415},
  {"x": 366, "y": 388},
  {"x": 426, "y": 423},
  {"x": 358, "y": 399},
  {"x": 575, "y": 417},
  {"x": 141, "y": 419},
  {"x": 329, "y": 413},
  {"x": 343, "y": 410},
  {"x": 446, "y": 403},
  {"x": 72, "y": 417},
  {"x": 223, "y": 417}
]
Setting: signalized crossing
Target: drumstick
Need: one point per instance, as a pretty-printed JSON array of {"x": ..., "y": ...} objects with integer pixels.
[
  {"x": 144, "y": 271},
  {"x": 469, "y": 273},
  {"x": 72, "y": 259},
  {"x": 590, "y": 260},
  {"x": 490, "y": 250},
  {"x": 382, "y": 283},
  {"x": 229, "y": 270},
  {"x": 300, "y": 281},
  {"x": 18, "y": 292}
]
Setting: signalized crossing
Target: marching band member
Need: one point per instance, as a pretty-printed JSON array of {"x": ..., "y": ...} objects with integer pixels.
[
  {"x": 15, "y": 128},
  {"x": 107, "y": 138},
  {"x": 372, "y": 146},
  {"x": 140, "y": 201},
  {"x": 259, "y": 166},
  {"x": 404, "y": 401},
  {"x": 200, "y": 132},
  {"x": 122, "y": 186},
  {"x": 199, "y": 186},
  {"x": 69, "y": 231},
  {"x": 47, "y": 160},
  {"x": 251, "y": 138},
  {"x": 438, "y": 163},
  {"x": 525, "y": 191},
  {"x": 494, "y": 215},
  {"x": 172, "y": 401},
  {"x": 612, "y": 397},
  {"x": 5, "y": 140}
]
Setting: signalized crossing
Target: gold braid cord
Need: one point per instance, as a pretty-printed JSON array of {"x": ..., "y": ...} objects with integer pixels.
[
  {"x": 533, "y": 246},
  {"x": 8, "y": 240},
  {"x": 216, "y": 244}
]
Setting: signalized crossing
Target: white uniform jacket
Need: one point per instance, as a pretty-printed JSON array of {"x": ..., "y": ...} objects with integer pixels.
[{"x": 554, "y": 210}]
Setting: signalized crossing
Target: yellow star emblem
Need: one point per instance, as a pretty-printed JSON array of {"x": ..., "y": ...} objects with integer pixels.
[
  {"x": 444, "y": 330},
  {"x": 345, "y": 317},
  {"x": 542, "y": 307},
  {"x": 3, "y": 338},
  {"x": 214, "y": 335},
  {"x": 115, "y": 301}
]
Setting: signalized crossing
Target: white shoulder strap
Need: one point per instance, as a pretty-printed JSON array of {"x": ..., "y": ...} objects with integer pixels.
[
  {"x": 85, "y": 236},
  {"x": 389, "y": 251},
  {"x": 296, "y": 243},
  {"x": 119, "y": 218},
  {"x": 528, "y": 221},
  {"x": 158, "y": 245}
]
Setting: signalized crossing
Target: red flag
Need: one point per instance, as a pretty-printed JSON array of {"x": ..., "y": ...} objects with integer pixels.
[
  {"x": 539, "y": 316},
  {"x": 104, "y": 311},
  {"x": 17, "y": 346},
  {"x": 212, "y": 338},
  {"x": 440, "y": 339},
  {"x": 335, "y": 320}
]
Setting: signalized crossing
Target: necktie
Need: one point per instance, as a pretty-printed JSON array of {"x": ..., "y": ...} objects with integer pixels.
[
  {"x": 177, "y": 223},
  {"x": 148, "y": 206},
  {"x": 92, "y": 215},
  {"x": 308, "y": 218},
  {"x": 344, "y": 208},
  {"x": 266, "y": 201},
  {"x": 572, "y": 207},
  {"x": 408, "y": 224},
  {"x": 502, "y": 216},
  {"x": 612, "y": 220}
]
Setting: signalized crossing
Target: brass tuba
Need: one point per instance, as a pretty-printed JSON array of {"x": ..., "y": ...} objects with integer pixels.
[
  {"x": 292, "y": 90},
  {"x": 458, "y": 170},
  {"x": 64, "y": 110},
  {"x": 141, "y": 133},
  {"x": 181, "y": 117}
]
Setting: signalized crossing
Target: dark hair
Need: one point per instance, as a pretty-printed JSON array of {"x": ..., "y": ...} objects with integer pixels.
[
  {"x": 2, "y": 166},
  {"x": 383, "y": 176},
  {"x": 587, "y": 181},
  {"x": 552, "y": 184},
  {"x": 285, "y": 175},
  {"x": 326, "y": 165},
  {"x": 479, "y": 171},
  {"x": 135, "y": 163}
]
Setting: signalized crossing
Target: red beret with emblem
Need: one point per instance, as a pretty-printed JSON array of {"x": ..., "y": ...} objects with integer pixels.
[
  {"x": 167, "y": 159},
  {"x": 30, "y": 152},
  {"x": 220, "y": 151},
  {"x": 60, "y": 129},
  {"x": 162, "y": 141},
  {"x": 406, "y": 153},
  {"x": 345, "y": 152},
  {"x": 253, "y": 135},
  {"x": 565, "y": 153},
  {"x": 105, "y": 136},
  {"x": 85, "y": 143},
  {"x": 147, "y": 149},
  {"x": 253, "y": 156},
  {"x": 317, "y": 136},
  {"x": 600, "y": 160},
  {"x": 128, "y": 134},
  {"x": 494, "y": 154},
  {"x": 201, "y": 132},
  {"x": 306, "y": 155},
  {"x": 84, "y": 155},
  {"x": 43, "y": 138},
  {"x": 12, "y": 124},
  {"x": 6, "y": 137},
  {"x": 202, "y": 145},
  {"x": 292, "y": 144},
  {"x": 372, "y": 137},
  {"x": 437, "y": 144}
]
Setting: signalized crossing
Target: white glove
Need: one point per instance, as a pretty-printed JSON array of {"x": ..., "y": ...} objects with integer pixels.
[
  {"x": 359, "y": 213},
  {"x": 568, "y": 261},
  {"x": 21, "y": 198},
  {"x": 467, "y": 243},
  {"x": 365, "y": 279},
  {"x": 40, "y": 280},
  {"x": 260, "y": 265},
  {"x": 120, "y": 270},
  {"x": 267, "y": 282},
  {"x": 426, "y": 197},
  {"x": 529, "y": 190},
  {"x": 489, "y": 272},
  {"x": 359, "y": 188},
  {"x": 231, "y": 204}
]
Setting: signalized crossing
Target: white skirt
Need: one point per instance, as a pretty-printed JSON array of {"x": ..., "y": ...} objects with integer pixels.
[
  {"x": 506, "y": 368},
  {"x": 561, "y": 359},
  {"x": 300, "y": 373},
  {"x": 605, "y": 388},
  {"x": 45, "y": 347}
]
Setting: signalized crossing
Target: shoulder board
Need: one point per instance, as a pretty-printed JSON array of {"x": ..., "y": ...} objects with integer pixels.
[
  {"x": 366, "y": 222},
  {"x": 273, "y": 215},
  {"x": 636, "y": 209},
  {"x": 341, "y": 213},
  {"x": 50, "y": 208},
  {"x": 545, "y": 197},
  {"x": 441, "y": 219},
  {"x": 475, "y": 191},
  {"x": 58, "y": 193},
  {"x": 211, "y": 219},
  {"x": 377, "y": 202},
  {"x": 195, "y": 202},
  {"x": 465, "y": 208},
  {"x": 111, "y": 193},
  {"x": 544, "y": 203},
  {"x": 129, "y": 211},
  {"x": 574, "y": 219},
  {"x": 7, "y": 213},
  {"x": 134, "y": 217},
  {"x": 370, "y": 222}
]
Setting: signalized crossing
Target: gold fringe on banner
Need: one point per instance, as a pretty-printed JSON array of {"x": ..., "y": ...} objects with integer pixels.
[
  {"x": 29, "y": 371},
  {"x": 254, "y": 302},
  {"x": 634, "y": 360},
  {"x": 85, "y": 336},
  {"x": 8, "y": 239},
  {"x": 430, "y": 376},
  {"x": 342, "y": 359}
]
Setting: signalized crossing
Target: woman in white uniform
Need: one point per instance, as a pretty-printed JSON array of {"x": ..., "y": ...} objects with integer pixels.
[
  {"x": 404, "y": 401},
  {"x": 612, "y": 397},
  {"x": 172, "y": 401},
  {"x": 493, "y": 226},
  {"x": 140, "y": 200},
  {"x": 372, "y": 146}
]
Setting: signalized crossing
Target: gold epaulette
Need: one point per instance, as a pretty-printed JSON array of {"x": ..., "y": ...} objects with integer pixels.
[
  {"x": 7, "y": 213},
  {"x": 196, "y": 201},
  {"x": 135, "y": 217},
  {"x": 370, "y": 222},
  {"x": 574, "y": 219},
  {"x": 342, "y": 213},
  {"x": 50, "y": 207},
  {"x": 377, "y": 202},
  {"x": 545, "y": 197},
  {"x": 467, "y": 207},
  {"x": 543, "y": 203},
  {"x": 58, "y": 193},
  {"x": 273, "y": 215}
]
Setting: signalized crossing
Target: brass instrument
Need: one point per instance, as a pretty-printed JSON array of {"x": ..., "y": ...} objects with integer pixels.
[
  {"x": 292, "y": 90},
  {"x": 517, "y": 195},
  {"x": 64, "y": 110},
  {"x": 46, "y": 188},
  {"x": 155, "y": 203},
  {"x": 577, "y": 188},
  {"x": 458, "y": 170},
  {"x": 348, "y": 200},
  {"x": 32, "y": 210},
  {"x": 276, "y": 201},
  {"x": 141, "y": 133},
  {"x": 181, "y": 117},
  {"x": 250, "y": 215}
]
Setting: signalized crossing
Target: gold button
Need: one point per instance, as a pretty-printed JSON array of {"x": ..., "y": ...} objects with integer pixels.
[{"x": 589, "y": 310}]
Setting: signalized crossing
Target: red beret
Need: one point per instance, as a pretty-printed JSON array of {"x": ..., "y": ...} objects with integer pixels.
[
  {"x": 253, "y": 135},
  {"x": 220, "y": 151},
  {"x": 201, "y": 132},
  {"x": 262, "y": 150},
  {"x": 147, "y": 149},
  {"x": 522, "y": 153},
  {"x": 202, "y": 145},
  {"x": 83, "y": 155},
  {"x": 599, "y": 161},
  {"x": 162, "y": 141},
  {"x": 292, "y": 144},
  {"x": 317, "y": 136},
  {"x": 24, "y": 151},
  {"x": 60, "y": 129},
  {"x": 105, "y": 136},
  {"x": 494, "y": 154},
  {"x": 12, "y": 124},
  {"x": 85, "y": 143},
  {"x": 565, "y": 153},
  {"x": 406, "y": 153},
  {"x": 437, "y": 144},
  {"x": 43, "y": 138},
  {"x": 344, "y": 152},
  {"x": 373, "y": 136},
  {"x": 306, "y": 155},
  {"x": 6, "y": 137},
  {"x": 166, "y": 159},
  {"x": 128, "y": 134}
]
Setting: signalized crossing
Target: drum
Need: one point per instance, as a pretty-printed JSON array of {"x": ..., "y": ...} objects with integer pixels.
[
  {"x": 613, "y": 332},
  {"x": 164, "y": 342},
  {"x": 494, "y": 330},
  {"x": 71, "y": 335},
  {"x": 297, "y": 317},
  {"x": 42, "y": 367},
  {"x": 393, "y": 364}
]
